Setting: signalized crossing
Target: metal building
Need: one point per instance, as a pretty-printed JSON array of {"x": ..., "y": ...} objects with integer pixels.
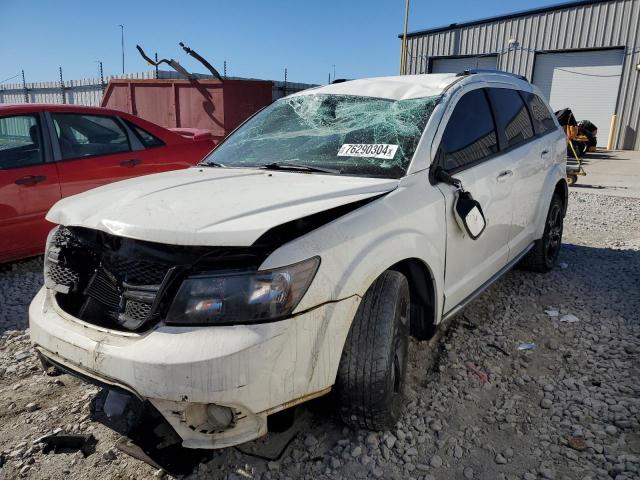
[{"x": 584, "y": 55}]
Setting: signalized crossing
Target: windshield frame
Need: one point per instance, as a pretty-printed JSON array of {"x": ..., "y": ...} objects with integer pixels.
[{"x": 408, "y": 169}]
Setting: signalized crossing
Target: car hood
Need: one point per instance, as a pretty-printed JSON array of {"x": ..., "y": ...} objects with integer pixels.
[{"x": 210, "y": 206}]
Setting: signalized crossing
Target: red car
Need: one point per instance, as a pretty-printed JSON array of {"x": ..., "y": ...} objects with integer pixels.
[{"x": 48, "y": 152}]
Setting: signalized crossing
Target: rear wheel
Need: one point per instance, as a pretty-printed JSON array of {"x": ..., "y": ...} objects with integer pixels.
[
  {"x": 371, "y": 375},
  {"x": 544, "y": 254}
]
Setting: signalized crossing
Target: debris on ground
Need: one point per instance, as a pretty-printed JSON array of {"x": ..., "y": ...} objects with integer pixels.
[
  {"x": 569, "y": 318},
  {"x": 526, "y": 346},
  {"x": 68, "y": 442}
]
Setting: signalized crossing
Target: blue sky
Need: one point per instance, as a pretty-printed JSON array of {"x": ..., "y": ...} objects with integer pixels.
[{"x": 257, "y": 38}]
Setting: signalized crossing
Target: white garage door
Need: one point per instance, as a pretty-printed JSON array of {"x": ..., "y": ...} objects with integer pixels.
[
  {"x": 585, "y": 82},
  {"x": 457, "y": 65}
]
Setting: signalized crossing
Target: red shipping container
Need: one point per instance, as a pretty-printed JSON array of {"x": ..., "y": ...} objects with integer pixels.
[{"x": 210, "y": 104}]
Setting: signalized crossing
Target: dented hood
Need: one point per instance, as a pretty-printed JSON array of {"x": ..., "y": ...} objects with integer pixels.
[{"x": 210, "y": 206}]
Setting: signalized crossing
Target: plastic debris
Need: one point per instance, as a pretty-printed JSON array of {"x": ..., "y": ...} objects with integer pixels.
[
  {"x": 552, "y": 313},
  {"x": 563, "y": 265},
  {"x": 68, "y": 442},
  {"x": 483, "y": 377},
  {"x": 569, "y": 318},
  {"x": 526, "y": 346}
]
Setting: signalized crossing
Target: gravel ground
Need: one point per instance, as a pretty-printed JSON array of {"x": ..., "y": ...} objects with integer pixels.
[{"x": 477, "y": 406}]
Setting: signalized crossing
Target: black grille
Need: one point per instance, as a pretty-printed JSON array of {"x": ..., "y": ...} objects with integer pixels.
[{"x": 127, "y": 284}]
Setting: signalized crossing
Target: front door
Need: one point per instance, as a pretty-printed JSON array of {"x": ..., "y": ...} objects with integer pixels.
[
  {"x": 28, "y": 186},
  {"x": 469, "y": 151}
]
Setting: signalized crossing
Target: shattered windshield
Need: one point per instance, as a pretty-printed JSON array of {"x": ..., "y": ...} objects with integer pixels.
[{"x": 345, "y": 133}]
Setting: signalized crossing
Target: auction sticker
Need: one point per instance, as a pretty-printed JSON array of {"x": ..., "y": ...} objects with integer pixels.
[{"x": 376, "y": 150}]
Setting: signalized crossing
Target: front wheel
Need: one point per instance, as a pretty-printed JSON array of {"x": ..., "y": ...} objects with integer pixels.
[
  {"x": 371, "y": 375},
  {"x": 544, "y": 254}
]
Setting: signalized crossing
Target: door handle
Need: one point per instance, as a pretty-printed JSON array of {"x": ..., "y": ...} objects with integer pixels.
[
  {"x": 130, "y": 163},
  {"x": 30, "y": 180},
  {"x": 502, "y": 176}
]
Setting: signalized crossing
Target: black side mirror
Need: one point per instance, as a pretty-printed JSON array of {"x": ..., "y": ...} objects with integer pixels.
[{"x": 469, "y": 215}]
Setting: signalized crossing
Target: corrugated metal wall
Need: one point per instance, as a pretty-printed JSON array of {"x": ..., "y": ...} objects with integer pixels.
[
  {"x": 605, "y": 24},
  {"x": 88, "y": 91}
]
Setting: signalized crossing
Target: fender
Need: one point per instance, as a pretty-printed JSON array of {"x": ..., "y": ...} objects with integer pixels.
[{"x": 556, "y": 173}]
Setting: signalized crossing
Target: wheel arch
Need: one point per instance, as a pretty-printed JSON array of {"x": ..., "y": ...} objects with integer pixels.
[
  {"x": 422, "y": 290},
  {"x": 562, "y": 190}
]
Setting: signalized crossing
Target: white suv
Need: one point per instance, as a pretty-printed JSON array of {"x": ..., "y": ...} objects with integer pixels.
[{"x": 303, "y": 251}]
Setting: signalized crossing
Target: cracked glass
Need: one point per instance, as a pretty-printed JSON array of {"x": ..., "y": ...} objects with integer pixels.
[{"x": 310, "y": 130}]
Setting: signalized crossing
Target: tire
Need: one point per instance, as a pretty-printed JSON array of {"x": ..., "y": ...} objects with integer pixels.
[
  {"x": 372, "y": 371},
  {"x": 544, "y": 254},
  {"x": 572, "y": 180}
]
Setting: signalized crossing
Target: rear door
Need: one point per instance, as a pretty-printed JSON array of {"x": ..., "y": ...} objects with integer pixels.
[
  {"x": 527, "y": 157},
  {"x": 93, "y": 150},
  {"x": 469, "y": 151},
  {"x": 28, "y": 185}
]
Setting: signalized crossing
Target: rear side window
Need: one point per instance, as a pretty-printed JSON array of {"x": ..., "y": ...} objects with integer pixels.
[
  {"x": 540, "y": 114},
  {"x": 89, "y": 135},
  {"x": 20, "y": 141},
  {"x": 470, "y": 135},
  {"x": 512, "y": 116},
  {"x": 148, "y": 140}
]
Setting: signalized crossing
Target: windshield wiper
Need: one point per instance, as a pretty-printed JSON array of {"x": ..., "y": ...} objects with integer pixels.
[
  {"x": 211, "y": 164},
  {"x": 297, "y": 167}
]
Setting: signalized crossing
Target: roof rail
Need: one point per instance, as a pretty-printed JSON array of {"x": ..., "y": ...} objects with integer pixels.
[{"x": 487, "y": 70}]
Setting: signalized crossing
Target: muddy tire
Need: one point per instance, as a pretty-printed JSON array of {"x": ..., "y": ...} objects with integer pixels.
[
  {"x": 372, "y": 371},
  {"x": 544, "y": 254}
]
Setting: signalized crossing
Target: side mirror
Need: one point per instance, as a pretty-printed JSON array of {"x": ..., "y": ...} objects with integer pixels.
[{"x": 469, "y": 215}]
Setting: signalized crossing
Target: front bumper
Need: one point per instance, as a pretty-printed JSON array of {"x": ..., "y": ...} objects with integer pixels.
[{"x": 254, "y": 369}]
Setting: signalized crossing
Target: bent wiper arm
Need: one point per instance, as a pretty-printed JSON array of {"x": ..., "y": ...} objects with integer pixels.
[{"x": 295, "y": 166}]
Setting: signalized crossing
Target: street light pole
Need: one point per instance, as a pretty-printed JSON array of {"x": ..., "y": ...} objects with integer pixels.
[{"x": 122, "y": 45}]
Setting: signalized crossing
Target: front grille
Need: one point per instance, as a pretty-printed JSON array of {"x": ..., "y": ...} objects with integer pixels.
[{"x": 126, "y": 284}]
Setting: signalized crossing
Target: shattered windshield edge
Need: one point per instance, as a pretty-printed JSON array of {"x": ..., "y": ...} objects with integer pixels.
[{"x": 352, "y": 135}]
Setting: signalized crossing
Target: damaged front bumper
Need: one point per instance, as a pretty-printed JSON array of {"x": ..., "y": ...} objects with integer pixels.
[{"x": 254, "y": 370}]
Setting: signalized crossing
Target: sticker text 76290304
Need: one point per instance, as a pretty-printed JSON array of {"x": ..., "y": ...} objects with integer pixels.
[{"x": 375, "y": 150}]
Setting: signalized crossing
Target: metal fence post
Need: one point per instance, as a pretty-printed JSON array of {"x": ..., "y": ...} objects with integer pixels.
[
  {"x": 64, "y": 100},
  {"x": 284, "y": 87},
  {"x": 24, "y": 87}
]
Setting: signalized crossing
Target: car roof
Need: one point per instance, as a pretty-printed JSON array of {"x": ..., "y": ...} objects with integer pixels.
[
  {"x": 405, "y": 87},
  {"x": 55, "y": 107}
]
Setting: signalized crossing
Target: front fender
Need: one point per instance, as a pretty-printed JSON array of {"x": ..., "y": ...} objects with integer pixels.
[{"x": 356, "y": 248}]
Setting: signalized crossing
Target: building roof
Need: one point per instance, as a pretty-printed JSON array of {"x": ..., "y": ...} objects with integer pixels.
[{"x": 521, "y": 13}]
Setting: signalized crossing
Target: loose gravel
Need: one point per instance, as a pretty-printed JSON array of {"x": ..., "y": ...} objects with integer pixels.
[{"x": 567, "y": 407}]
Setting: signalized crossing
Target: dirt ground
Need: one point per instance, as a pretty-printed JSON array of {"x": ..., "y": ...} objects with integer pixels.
[{"x": 478, "y": 407}]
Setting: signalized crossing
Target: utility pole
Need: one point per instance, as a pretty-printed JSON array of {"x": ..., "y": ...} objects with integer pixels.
[
  {"x": 225, "y": 69},
  {"x": 403, "y": 50},
  {"x": 334, "y": 72},
  {"x": 64, "y": 100},
  {"x": 122, "y": 45},
  {"x": 329, "y": 82},
  {"x": 24, "y": 87}
]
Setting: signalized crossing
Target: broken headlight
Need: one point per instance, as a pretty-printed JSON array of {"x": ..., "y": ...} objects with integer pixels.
[{"x": 242, "y": 297}]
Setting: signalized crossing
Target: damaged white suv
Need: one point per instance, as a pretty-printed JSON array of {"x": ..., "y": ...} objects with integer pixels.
[{"x": 303, "y": 251}]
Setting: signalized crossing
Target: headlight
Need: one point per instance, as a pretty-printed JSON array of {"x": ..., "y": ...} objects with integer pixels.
[{"x": 242, "y": 297}]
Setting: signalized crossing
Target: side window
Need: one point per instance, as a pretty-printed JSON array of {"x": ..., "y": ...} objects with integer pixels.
[
  {"x": 147, "y": 139},
  {"x": 540, "y": 114},
  {"x": 89, "y": 135},
  {"x": 512, "y": 116},
  {"x": 20, "y": 141},
  {"x": 470, "y": 134}
]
